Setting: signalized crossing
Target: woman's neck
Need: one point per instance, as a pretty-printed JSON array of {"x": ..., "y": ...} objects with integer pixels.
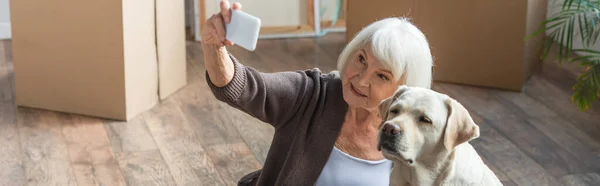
[
  {"x": 359, "y": 134},
  {"x": 364, "y": 117}
]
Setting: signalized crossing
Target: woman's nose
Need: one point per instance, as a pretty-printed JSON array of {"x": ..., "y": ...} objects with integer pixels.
[{"x": 363, "y": 80}]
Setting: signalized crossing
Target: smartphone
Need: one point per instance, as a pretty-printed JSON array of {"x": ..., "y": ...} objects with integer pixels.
[{"x": 243, "y": 29}]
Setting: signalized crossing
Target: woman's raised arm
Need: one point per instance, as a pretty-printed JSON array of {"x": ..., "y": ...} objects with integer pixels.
[
  {"x": 216, "y": 59},
  {"x": 274, "y": 98}
]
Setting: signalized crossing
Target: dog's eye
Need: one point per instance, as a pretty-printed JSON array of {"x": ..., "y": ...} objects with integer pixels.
[
  {"x": 424, "y": 119},
  {"x": 394, "y": 111}
]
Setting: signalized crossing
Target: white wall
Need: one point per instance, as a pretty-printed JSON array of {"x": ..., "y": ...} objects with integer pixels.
[
  {"x": 4, "y": 20},
  {"x": 287, "y": 13}
]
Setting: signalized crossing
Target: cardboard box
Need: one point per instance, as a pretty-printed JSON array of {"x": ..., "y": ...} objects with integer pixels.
[
  {"x": 476, "y": 43},
  {"x": 110, "y": 59}
]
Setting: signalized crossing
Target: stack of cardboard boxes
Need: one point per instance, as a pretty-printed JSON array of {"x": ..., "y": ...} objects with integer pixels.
[{"x": 110, "y": 59}]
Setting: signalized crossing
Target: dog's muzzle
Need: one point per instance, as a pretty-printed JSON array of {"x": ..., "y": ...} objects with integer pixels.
[{"x": 389, "y": 136}]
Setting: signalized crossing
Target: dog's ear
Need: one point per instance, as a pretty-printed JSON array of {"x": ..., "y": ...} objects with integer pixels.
[
  {"x": 384, "y": 106},
  {"x": 400, "y": 90},
  {"x": 460, "y": 127}
]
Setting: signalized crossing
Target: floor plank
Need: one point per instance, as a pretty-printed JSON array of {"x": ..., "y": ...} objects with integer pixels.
[
  {"x": 195, "y": 58},
  {"x": 589, "y": 179},
  {"x": 272, "y": 55},
  {"x": 332, "y": 44},
  {"x": 508, "y": 183},
  {"x": 473, "y": 98},
  {"x": 92, "y": 158},
  {"x": 508, "y": 158},
  {"x": 233, "y": 161},
  {"x": 214, "y": 126},
  {"x": 11, "y": 155},
  {"x": 188, "y": 161},
  {"x": 556, "y": 160},
  {"x": 526, "y": 105},
  {"x": 7, "y": 44},
  {"x": 145, "y": 168},
  {"x": 6, "y": 76},
  {"x": 560, "y": 101},
  {"x": 46, "y": 159},
  {"x": 257, "y": 134},
  {"x": 131, "y": 136},
  {"x": 499, "y": 173},
  {"x": 307, "y": 54},
  {"x": 253, "y": 59},
  {"x": 562, "y": 132},
  {"x": 583, "y": 147}
]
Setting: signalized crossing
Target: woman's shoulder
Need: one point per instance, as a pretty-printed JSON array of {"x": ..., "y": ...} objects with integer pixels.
[
  {"x": 333, "y": 80},
  {"x": 331, "y": 76}
]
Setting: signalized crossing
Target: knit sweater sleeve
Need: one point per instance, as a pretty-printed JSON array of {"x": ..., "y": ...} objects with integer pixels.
[{"x": 274, "y": 98}]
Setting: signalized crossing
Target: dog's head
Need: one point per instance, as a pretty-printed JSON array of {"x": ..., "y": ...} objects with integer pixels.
[{"x": 418, "y": 123}]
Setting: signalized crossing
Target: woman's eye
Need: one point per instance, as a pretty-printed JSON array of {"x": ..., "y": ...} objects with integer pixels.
[
  {"x": 424, "y": 119},
  {"x": 382, "y": 76},
  {"x": 361, "y": 59}
]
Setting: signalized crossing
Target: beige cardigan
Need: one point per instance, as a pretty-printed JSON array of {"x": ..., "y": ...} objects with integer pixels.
[{"x": 307, "y": 110}]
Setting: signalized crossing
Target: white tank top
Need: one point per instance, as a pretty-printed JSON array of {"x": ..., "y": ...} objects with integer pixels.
[{"x": 344, "y": 169}]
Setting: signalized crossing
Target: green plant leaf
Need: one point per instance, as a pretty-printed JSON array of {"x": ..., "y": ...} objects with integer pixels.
[
  {"x": 570, "y": 35},
  {"x": 585, "y": 50},
  {"x": 556, "y": 21},
  {"x": 586, "y": 57},
  {"x": 586, "y": 89},
  {"x": 588, "y": 30},
  {"x": 581, "y": 59},
  {"x": 543, "y": 30},
  {"x": 582, "y": 29},
  {"x": 567, "y": 4},
  {"x": 595, "y": 37},
  {"x": 549, "y": 43},
  {"x": 561, "y": 45}
]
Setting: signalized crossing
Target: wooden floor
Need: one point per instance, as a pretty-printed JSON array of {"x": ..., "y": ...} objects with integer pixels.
[{"x": 536, "y": 137}]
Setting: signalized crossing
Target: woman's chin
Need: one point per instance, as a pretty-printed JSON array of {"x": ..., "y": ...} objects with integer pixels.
[
  {"x": 353, "y": 100},
  {"x": 354, "y": 103}
]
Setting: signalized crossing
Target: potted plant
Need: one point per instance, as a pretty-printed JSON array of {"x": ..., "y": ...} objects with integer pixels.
[{"x": 575, "y": 29}]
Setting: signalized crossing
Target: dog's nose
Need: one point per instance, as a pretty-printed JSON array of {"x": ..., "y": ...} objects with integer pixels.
[{"x": 391, "y": 129}]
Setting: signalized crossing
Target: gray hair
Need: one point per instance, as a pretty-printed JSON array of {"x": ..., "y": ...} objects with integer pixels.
[{"x": 400, "y": 46}]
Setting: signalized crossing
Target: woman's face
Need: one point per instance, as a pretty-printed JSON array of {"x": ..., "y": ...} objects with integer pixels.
[{"x": 366, "y": 82}]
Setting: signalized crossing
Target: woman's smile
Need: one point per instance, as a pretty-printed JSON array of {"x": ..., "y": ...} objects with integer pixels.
[{"x": 356, "y": 91}]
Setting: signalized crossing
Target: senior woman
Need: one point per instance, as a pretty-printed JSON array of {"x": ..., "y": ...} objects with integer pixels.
[{"x": 326, "y": 124}]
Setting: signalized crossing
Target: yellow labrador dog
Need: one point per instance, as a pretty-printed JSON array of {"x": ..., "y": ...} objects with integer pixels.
[{"x": 426, "y": 134}]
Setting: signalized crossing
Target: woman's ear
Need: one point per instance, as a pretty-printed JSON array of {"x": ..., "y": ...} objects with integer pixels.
[{"x": 460, "y": 127}]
